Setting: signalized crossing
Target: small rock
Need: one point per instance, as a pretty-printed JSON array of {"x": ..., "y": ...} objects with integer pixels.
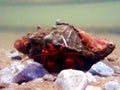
[
  {"x": 90, "y": 77},
  {"x": 5, "y": 71},
  {"x": 72, "y": 80},
  {"x": 7, "y": 74},
  {"x": 16, "y": 67},
  {"x": 30, "y": 72},
  {"x": 8, "y": 78},
  {"x": 112, "y": 58},
  {"x": 101, "y": 69},
  {"x": 13, "y": 85},
  {"x": 90, "y": 87},
  {"x": 3, "y": 85},
  {"x": 19, "y": 72},
  {"x": 13, "y": 54},
  {"x": 16, "y": 58},
  {"x": 112, "y": 85},
  {"x": 49, "y": 77},
  {"x": 117, "y": 69}
]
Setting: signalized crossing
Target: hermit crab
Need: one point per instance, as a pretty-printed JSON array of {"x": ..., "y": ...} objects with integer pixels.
[{"x": 63, "y": 46}]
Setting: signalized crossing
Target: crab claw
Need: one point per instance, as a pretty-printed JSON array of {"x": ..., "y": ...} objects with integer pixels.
[
  {"x": 109, "y": 48},
  {"x": 22, "y": 45},
  {"x": 99, "y": 46},
  {"x": 94, "y": 49}
]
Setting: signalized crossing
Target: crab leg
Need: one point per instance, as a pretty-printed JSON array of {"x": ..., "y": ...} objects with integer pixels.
[{"x": 25, "y": 59}]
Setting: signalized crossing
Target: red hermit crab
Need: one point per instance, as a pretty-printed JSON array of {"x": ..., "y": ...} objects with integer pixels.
[{"x": 63, "y": 47}]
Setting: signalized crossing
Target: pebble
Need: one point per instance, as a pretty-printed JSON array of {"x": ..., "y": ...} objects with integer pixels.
[
  {"x": 112, "y": 85},
  {"x": 18, "y": 72},
  {"x": 8, "y": 78},
  {"x": 73, "y": 79},
  {"x": 49, "y": 77},
  {"x": 101, "y": 69},
  {"x": 7, "y": 74},
  {"x": 13, "y": 55},
  {"x": 90, "y": 77},
  {"x": 30, "y": 72},
  {"x": 117, "y": 69},
  {"x": 90, "y": 87}
]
